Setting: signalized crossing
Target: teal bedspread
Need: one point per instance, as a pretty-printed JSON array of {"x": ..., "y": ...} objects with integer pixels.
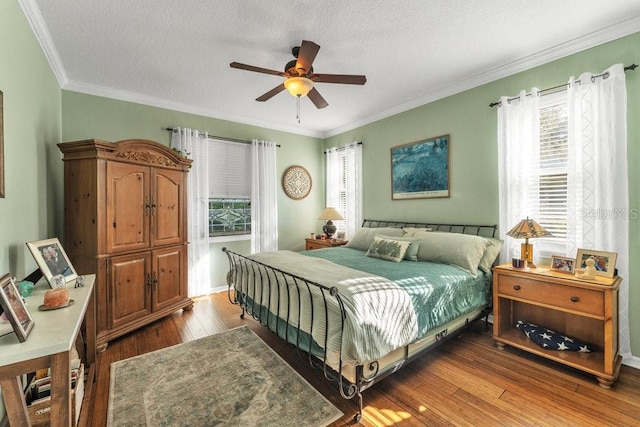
[
  {"x": 382, "y": 305},
  {"x": 439, "y": 292}
]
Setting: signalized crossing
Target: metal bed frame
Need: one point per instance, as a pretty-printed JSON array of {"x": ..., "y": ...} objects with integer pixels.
[{"x": 278, "y": 282}]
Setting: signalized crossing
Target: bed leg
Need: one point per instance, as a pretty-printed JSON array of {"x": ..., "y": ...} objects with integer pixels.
[{"x": 358, "y": 416}]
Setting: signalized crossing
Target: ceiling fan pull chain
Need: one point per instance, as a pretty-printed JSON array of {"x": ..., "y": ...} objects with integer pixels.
[{"x": 298, "y": 108}]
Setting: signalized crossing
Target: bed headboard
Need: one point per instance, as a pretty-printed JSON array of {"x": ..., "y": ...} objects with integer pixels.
[{"x": 478, "y": 230}]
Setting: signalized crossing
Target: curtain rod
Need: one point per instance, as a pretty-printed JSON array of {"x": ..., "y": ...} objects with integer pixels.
[
  {"x": 341, "y": 148},
  {"x": 224, "y": 138},
  {"x": 631, "y": 67}
]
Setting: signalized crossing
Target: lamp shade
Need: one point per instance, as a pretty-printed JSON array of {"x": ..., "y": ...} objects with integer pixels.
[
  {"x": 527, "y": 229},
  {"x": 331, "y": 214},
  {"x": 298, "y": 86}
]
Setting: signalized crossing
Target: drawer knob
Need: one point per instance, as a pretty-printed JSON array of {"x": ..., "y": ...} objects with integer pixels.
[
  {"x": 517, "y": 287},
  {"x": 575, "y": 299}
]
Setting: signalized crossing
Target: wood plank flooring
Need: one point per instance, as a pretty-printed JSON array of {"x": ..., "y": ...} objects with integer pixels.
[{"x": 465, "y": 382}]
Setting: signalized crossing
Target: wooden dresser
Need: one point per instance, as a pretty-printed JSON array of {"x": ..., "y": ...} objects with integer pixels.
[
  {"x": 586, "y": 310},
  {"x": 125, "y": 221}
]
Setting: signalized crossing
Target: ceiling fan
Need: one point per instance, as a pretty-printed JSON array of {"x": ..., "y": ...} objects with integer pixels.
[{"x": 299, "y": 75}]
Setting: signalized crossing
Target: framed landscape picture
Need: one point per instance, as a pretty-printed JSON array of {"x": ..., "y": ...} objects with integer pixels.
[
  {"x": 14, "y": 308},
  {"x": 605, "y": 262},
  {"x": 52, "y": 260},
  {"x": 420, "y": 170}
]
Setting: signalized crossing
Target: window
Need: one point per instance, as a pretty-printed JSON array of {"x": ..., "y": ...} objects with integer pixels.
[
  {"x": 342, "y": 189},
  {"x": 229, "y": 188},
  {"x": 551, "y": 199}
]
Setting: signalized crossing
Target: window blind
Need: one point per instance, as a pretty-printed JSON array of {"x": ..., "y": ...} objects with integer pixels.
[
  {"x": 229, "y": 170},
  {"x": 552, "y": 167}
]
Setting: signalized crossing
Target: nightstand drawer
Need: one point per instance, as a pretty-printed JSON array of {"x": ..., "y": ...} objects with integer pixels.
[{"x": 568, "y": 297}]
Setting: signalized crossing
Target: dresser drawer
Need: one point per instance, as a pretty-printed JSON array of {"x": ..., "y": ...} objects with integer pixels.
[{"x": 559, "y": 295}]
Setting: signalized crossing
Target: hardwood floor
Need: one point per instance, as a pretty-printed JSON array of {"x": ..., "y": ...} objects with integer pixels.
[{"x": 465, "y": 382}]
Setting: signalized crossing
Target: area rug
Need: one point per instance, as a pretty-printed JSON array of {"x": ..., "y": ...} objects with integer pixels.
[{"x": 228, "y": 379}]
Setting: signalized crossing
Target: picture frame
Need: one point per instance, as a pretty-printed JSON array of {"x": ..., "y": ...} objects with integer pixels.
[
  {"x": 52, "y": 260},
  {"x": 420, "y": 169},
  {"x": 563, "y": 264},
  {"x": 605, "y": 261},
  {"x": 15, "y": 308},
  {"x": 340, "y": 235}
]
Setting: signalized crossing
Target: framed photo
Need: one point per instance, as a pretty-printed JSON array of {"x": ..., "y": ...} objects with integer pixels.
[
  {"x": 340, "y": 235},
  {"x": 605, "y": 262},
  {"x": 52, "y": 260},
  {"x": 420, "y": 170},
  {"x": 14, "y": 308},
  {"x": 563, "y": 264}
]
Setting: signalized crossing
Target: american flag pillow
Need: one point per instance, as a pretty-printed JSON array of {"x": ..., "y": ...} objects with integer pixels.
[{"x": 546, "y": 338}]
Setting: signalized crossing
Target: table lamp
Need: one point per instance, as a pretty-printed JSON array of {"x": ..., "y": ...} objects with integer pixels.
[
  {"x": 526, "y": 229},
  {"x": 329, "y": 214}
]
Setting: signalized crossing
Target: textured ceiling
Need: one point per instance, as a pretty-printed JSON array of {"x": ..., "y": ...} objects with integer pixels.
[{"x": 176, "y": 54}]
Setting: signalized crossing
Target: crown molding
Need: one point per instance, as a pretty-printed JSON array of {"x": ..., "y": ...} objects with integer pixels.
[
  {"x": 613, "y": 32},
  {"x": 136, "y": 98},
  {"x": 34, "y": 18},
  {"x": 574, "y": 46}
]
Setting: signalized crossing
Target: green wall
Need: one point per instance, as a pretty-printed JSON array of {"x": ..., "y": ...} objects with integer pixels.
[
  {"x": 32, "y": 125},
  {"x": 86, "y": 116},
  {"x": 38, "y": 115},
  {"x": 472, "y": 127}
]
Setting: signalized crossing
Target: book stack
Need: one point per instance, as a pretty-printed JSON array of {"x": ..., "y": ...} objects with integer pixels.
[{"x": 38, "y": 394}]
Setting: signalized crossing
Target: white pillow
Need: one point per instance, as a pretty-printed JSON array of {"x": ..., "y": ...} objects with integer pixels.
[
  {"x": 462, "y": 250},
  {"x": 363, "y": 237},
  {"x": 490, "y": 254},
  {"x": 389, "y": 249},
  {"x": 411, "y": 231}
]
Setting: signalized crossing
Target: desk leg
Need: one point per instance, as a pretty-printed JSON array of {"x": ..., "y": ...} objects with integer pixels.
[
  {"x": 90, "y": 329},
  {"x": 14, "y": 402},
  {"x": 61, "y": 389}
]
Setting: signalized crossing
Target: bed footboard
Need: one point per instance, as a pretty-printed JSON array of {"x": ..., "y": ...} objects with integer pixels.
[{"x": 271, "y": 296}]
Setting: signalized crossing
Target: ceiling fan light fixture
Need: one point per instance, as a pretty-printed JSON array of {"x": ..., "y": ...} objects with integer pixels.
[{"x": 298, "y": 86}]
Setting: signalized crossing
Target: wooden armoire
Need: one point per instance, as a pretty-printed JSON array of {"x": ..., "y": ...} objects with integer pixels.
[{"x": 126, "y": 221}]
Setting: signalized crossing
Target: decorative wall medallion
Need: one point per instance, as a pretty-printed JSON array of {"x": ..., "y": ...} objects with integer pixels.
[{"x": 296, "y": 182}]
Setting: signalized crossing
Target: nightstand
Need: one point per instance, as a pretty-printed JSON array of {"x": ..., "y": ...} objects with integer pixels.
[
  {"x": 586, "y": 310},
  {"x": 319, "y": 243}
]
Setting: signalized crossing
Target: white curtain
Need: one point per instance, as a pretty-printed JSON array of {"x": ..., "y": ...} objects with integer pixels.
[
  {"x": 518, "y": 149},
  {"x": 264, "y": 197},
  {"x": 353, "y": 170},
  {"x": 195, "y": 145},
  {"x": 598, "y": 202}
]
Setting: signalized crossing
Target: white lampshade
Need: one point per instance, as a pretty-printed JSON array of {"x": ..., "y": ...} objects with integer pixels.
[
  {"x": 298, "y": 86},
  {"x": 331, "y": 214}
]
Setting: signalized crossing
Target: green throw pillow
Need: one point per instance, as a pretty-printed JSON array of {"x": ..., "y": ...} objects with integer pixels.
[
  {"x": 392, "y": 250},
  {"x": 412, "y": 250}
]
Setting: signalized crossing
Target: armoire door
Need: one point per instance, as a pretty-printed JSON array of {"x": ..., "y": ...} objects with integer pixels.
[
  {"x": 128, "y": 207},
  {"x": 167, "y": 214},
  {"x": 169, "y": 276},
  {"x": 129, "y": 288}
]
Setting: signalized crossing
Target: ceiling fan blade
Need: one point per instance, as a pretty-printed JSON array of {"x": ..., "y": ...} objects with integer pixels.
[
  {"x": 256, "y": 69},
  {"x": 347, "y": 79},
  {"x": 273, "y": 92},
  {"x": 317, "y": 99},
  {"x": 306, "y": 55}
]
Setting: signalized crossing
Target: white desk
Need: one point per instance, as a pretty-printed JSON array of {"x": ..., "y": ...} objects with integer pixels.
[{"x": 49, "y": 345}]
